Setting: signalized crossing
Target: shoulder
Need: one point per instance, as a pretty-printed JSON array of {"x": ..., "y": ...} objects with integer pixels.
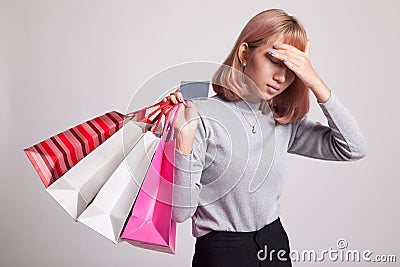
[
  {"x": 215, "y": 116},
  {"x": 214, "y": 107}
]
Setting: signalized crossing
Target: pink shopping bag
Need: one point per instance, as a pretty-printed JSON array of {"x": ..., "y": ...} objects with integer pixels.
[{"x": 150, "y": 224}]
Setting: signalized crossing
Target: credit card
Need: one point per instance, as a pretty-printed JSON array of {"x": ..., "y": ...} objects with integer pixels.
[{"x": 194, "y": 89}]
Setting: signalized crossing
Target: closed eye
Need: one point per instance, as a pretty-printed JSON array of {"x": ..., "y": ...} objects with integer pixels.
[{"x": 275, "y": 62}]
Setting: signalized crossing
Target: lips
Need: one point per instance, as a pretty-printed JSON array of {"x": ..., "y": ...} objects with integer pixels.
[{"x": 272, "y": 89}]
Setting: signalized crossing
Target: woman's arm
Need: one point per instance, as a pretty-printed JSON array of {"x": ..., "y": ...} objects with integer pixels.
[
  {"x": 189, "y": 159},
  {"x": 188, "y": 169},
  {"x": 342, "y": 140}
]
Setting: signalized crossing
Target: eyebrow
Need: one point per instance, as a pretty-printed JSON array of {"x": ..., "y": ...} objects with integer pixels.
[{"x": 265, "y": 48}]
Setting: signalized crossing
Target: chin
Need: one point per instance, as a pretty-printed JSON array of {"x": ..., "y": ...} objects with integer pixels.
[{"x": 267, "y": 96}]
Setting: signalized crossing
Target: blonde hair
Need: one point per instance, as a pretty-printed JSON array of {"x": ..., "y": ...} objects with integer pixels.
[{"x": 293, "y": 103}]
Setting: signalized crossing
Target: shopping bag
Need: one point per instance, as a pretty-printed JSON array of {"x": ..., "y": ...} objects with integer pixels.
[
  {"x": 79, "y": 185},
  {"x": 150, "y": 223},
  {"x": 54, "y": 156},
  {"x": 111, "y": 206}
]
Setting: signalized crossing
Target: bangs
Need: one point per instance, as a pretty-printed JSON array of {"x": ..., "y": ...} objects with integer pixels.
[
  {"x": 295, "y": 37},
  {"x": 293, "y": 34}
]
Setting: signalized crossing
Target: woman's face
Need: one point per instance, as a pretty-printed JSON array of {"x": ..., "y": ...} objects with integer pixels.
[{"x": 269, "y": 74}]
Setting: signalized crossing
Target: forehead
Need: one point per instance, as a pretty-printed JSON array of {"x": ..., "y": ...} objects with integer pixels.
[
  {"x": 277, "y": 40},
  {"x": 273, "y": 40}
]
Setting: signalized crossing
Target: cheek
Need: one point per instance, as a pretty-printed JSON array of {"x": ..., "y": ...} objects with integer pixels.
[
  {"x": 291, "y": 77},
  {"x": 263, "y": 66}
]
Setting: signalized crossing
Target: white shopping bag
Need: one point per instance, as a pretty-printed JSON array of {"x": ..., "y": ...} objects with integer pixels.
[
  {"x": 78, "y": 186},
  {"x": 111, "y": 207}
]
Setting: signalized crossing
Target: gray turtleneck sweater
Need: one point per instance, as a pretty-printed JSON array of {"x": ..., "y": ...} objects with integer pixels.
[{"x": 232, "y": 180}]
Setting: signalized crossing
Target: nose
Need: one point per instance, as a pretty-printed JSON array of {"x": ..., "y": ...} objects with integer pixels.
[{"x": 281, "y": 74}]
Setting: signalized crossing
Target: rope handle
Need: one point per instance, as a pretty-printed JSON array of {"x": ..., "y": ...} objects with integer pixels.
[
  {"x": 161, "y": 105},
  {"x": 176, "y": 109},
  {"x": 164, "y": 107}
]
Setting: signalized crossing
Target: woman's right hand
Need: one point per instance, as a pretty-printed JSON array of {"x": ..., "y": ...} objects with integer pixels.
[{"x": 186, "y": 122}]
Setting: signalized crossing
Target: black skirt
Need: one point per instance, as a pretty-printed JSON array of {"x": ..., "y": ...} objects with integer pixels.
[{"x": 268, "y": 246}]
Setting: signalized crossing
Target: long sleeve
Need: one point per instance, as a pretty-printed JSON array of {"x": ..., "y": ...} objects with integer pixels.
[
  {"x": 187, "y": 174},
  {"x": 342, "y": 140}
]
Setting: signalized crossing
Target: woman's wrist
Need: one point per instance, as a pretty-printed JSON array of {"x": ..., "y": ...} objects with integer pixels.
[
  {"x": 321, "y": 91},
  {"x": 184, "y": 142}
]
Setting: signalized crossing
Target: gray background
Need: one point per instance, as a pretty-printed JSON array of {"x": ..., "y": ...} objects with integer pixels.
[{"x": 63, "y": 62}]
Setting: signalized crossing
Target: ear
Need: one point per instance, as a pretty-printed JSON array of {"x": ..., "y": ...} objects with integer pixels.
[{"x": 242, "y": 52}]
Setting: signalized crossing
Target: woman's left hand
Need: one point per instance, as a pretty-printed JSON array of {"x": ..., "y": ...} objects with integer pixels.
[{"x": 299, "y": 62}]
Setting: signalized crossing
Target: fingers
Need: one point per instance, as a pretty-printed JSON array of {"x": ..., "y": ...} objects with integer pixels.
[
  {"x": 307, "y": 50},
  {"x": 292, "y": 66},
  {"x": 285, "y": 47},
  {"x": 178, "y": 96},
  {"x": 282, "y": 54},
  {"x": 287, "y": 60},
  {"x": 175, "y": 97},
  {"x": 291, "y": 61},
  {"x": 187, "y": 118},
  {"x": 291, "y": 56}
]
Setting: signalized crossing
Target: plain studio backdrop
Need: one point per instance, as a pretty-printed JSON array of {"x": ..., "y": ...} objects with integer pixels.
[{"x": 63, "y": 62}]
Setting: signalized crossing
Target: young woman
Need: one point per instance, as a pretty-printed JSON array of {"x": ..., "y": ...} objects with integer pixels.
[{"x": 235, "y": 225}]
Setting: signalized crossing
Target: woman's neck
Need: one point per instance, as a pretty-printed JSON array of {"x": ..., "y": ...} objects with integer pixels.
[{"x": 251, "y": 98}]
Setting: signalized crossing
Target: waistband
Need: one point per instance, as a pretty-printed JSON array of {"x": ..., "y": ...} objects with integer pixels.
[{"x": 230, "y": 235}]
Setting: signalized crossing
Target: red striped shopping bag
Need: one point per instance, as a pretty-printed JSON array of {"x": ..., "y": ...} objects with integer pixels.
[{"x": 56, "y": 155}]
